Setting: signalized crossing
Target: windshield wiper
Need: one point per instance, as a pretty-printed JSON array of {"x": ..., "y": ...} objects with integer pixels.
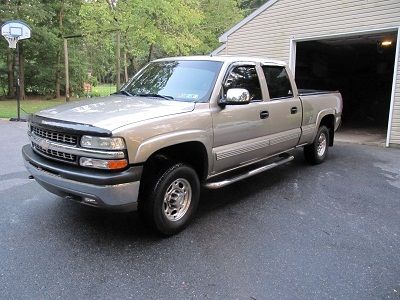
[
  {"x": 124, "y": 92},
  {"x": 156, "y": 96}
]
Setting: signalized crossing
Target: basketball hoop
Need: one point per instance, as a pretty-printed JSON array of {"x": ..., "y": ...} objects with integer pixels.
[
  {"x": 15, "y": 30},
  {"x": 12, "y": 41}
]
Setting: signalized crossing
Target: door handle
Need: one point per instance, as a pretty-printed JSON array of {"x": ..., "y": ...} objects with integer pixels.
[
  {"x": 293, "y": 110},
  {"x": 264, "y": 114}
]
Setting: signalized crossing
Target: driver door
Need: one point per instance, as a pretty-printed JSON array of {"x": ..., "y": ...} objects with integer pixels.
[{"x": 239, "y": 130}]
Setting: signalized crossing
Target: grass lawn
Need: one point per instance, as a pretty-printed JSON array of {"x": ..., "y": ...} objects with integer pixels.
[
  {"x": 8, "y": 108},
  {"x": 104, "y": 89}
]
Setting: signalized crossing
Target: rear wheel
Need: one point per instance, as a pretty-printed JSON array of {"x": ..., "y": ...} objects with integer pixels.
[
  {"x": 171, "y": 199},
  {"x": 318, "y": 150}
]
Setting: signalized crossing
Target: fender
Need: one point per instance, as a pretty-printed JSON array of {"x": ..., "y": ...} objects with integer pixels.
[
  {"x": 323, "y": 113},
  {"x": 152, "y": 145}
]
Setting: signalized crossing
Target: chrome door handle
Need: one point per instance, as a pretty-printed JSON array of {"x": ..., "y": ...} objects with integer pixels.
[{"x": 264, "y": 114}]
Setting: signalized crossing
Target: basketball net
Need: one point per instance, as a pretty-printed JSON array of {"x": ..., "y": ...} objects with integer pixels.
[{"x": 12, "y": 41}]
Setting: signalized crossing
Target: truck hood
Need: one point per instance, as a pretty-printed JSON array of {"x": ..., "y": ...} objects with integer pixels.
[{"x": 116, "y": 110}]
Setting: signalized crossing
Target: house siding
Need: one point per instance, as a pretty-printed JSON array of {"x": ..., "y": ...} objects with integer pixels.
[{"x": 270, "y": 32}]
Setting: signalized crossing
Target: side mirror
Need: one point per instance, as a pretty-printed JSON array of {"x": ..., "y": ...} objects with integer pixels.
[{"x": 236, "y": 97}]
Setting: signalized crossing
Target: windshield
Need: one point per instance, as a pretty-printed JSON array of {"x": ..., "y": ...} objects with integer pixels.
[{"x": 184, "y": 80}]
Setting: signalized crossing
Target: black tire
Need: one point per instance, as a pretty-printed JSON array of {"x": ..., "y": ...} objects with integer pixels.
[
  {"x": 312, "y": 152},
  {"x": 176, "y": 179}
]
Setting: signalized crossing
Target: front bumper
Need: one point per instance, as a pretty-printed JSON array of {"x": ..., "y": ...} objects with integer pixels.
[{"x": 112, "y": 190}]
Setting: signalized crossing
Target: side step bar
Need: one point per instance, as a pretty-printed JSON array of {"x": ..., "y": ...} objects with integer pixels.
[{"x": 225, "y": 182}]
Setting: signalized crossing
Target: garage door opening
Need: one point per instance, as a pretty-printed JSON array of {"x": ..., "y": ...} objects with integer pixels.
[{"x": 361, "y": 68}]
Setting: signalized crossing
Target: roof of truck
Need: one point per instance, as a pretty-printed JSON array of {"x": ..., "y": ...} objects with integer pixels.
[{"x": 226, "y": 58}]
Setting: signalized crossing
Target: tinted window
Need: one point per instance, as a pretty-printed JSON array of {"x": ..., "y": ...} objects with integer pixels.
[
  {"x": 278, "y": 82},
  {"x": 244, "y": 77},
  {"x": 183, "y": 80}
]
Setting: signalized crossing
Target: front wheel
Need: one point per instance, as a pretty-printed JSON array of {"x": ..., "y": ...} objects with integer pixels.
[
  {"x": 172, "y": 199},
  {"x": 316, "y": 152}
]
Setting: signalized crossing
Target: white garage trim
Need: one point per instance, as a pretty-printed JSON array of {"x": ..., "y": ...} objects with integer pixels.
[
  {"x": 219, "y": 50},
  {"x": 396, "y": 65},
  {"x": 292, "y": 60}
]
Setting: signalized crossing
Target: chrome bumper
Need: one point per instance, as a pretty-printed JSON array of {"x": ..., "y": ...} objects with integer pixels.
[{"x": 114, "y": 191}]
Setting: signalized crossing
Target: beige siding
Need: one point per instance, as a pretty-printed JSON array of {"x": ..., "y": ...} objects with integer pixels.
[{"x": 269, "y": 33}]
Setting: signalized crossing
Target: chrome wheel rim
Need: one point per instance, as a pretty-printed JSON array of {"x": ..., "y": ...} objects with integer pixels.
[
  {"x": 177, "y": 199},
  {"x": 322, "y": 143}
]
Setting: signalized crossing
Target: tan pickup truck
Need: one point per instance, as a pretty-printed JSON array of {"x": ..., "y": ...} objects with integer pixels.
[{"x": 179, "y": 124}]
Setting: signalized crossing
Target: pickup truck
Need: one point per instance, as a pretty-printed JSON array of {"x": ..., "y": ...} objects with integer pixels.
[{"x": 178, "y": 125}]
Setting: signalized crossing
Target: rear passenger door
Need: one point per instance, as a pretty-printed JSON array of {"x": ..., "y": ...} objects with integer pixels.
[{"x": 284, "y": 107}]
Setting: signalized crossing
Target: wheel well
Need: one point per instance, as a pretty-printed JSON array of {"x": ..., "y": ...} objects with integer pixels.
[
  {"x": 191, "y": 153},
  {"x": 329, "y": 122}
]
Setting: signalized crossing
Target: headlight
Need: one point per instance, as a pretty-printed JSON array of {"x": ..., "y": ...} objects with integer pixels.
[
  {"x": 103, "y": 163},
  {"x": 103, "y": 143}
]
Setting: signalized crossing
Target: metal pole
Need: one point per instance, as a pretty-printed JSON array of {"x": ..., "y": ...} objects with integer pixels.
[
  {"x": 18, "y": 87},
  {"x": 66, "y": 70}
]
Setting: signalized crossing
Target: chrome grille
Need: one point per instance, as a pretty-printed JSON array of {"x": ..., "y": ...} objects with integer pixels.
[
  {"x": 55, "y": 154},
  {"x": 55, "y": 136}
]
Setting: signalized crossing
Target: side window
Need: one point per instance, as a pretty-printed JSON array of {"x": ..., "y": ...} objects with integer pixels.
[
  {"x": 278, "y": 82},
  {"x": 244, "y": 77}
]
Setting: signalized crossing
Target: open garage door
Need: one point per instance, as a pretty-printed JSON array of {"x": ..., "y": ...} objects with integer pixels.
[{"x": 361, "y": 68}]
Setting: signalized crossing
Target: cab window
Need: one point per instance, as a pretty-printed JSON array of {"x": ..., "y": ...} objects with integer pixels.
[
  {"x": 278, "y": 82},
  {"x": 244, "y": 77}
]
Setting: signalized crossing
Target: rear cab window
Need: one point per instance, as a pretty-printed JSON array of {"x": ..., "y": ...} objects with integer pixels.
[{"x": 278, "y": 82}]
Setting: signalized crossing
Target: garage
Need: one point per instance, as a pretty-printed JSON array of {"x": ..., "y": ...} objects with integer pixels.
[
  {"x": 361, "y": 68},
  {"x": 346, "y": 45}
]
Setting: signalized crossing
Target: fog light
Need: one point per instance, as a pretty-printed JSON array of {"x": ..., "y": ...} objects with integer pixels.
[
  {"x": 103, "y": 163},
  {"x": 89, "y": 200}
]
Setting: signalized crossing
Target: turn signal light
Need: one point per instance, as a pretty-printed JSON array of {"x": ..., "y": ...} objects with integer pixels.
[
  {"x": 103, "y": 163},
  {"x": 117, "y": 164}
]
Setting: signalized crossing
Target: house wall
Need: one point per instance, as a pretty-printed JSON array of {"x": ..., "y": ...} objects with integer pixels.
[{"x": 270, "y": 32}]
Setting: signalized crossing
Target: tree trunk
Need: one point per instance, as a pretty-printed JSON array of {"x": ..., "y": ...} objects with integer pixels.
[
  {"x": 118, "y": 60},
  {"x": 58, "y": 67},
  {"x": 58, "y": 75},
  {"x": 126, "y": 66},
  {"x": 10, "y": 74},
  {"x": 21, "y": 70},
  {"x": 66, "y": 70},
  {"x": 150, "y": 53}
]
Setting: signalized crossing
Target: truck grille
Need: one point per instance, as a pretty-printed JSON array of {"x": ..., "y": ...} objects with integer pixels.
[
  {"x": 55, "y": 136},
  {"x": 55, "y": 154}
]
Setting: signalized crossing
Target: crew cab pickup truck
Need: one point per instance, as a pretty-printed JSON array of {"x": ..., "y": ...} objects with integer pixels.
[{"x": 177, "y": 125}]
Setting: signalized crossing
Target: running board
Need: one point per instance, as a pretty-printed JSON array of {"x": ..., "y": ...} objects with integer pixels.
[{"x": 225, "y": 182}]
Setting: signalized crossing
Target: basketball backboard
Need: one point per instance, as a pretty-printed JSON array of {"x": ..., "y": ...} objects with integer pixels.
[{"x": 15, "y": 30}]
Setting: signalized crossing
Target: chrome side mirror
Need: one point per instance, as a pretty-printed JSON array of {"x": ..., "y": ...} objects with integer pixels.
[{"x": 236, "y": 97}]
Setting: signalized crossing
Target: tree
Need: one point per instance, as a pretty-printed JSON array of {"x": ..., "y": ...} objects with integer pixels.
[
  {"x": 148, "y": 29},
  {"x": 219, "y": 15},
  {"x": 248, "y": 6},
  {"x": 43, "y": 70}
]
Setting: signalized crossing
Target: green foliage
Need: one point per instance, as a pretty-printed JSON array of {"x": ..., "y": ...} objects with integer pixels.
[
  {"x": 43, "y": 51},
  {"x": 148, "y": 29},
  {"x": 248, "y": 6},
  {"x": 219, "y": 15}
]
